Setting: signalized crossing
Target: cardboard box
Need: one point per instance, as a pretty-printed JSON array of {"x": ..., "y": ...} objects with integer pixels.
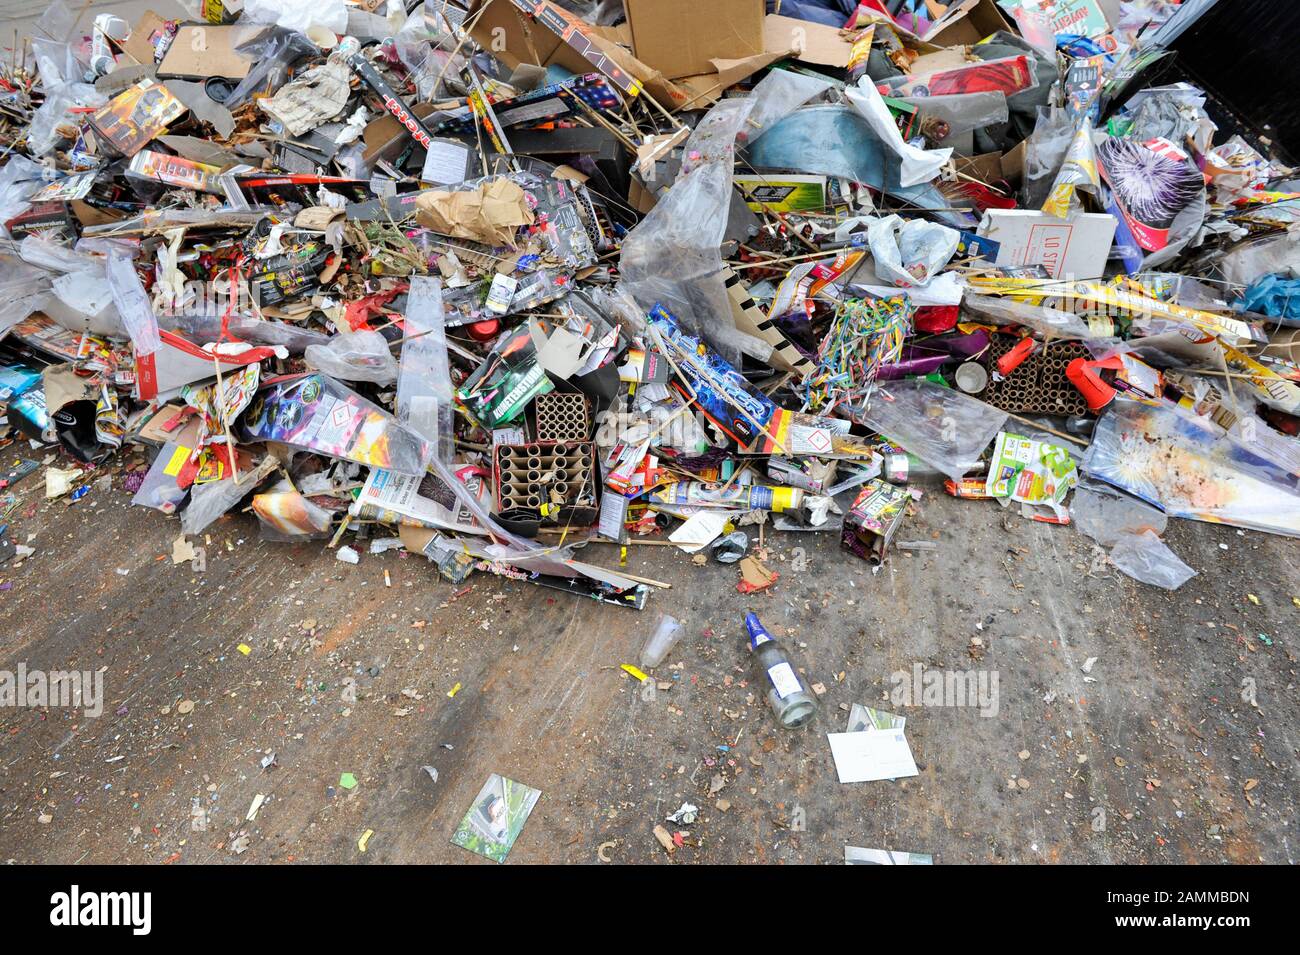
[
  {"x": 682, "y": 37},
  {"x": 968, "y": 22},
  {"x": 1075, "y": 248},
  {"x": 552, "y": 36}
]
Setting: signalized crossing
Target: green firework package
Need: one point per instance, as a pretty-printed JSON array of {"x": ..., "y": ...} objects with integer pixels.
[{"x": 507, "y": 381}]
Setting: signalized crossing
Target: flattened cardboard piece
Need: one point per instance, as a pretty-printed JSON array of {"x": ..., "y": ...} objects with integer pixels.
[
  {"x": 681, "y": 37},
  {"x": 181, "y": 362},
  {"x": 200, "y": 150},
  {"x": 139, "y": 45},
  {"x": 537, "y": 40},
  {"x": 751, "y": 320},
  {"x": 562, "y": 353},
  {"x": 709, "y": 87},
  {"x": 197, "y": 100},
  {"x": 202, "y": 50},
  {"x": 170, "y": 423},
  {"x": 812, "y": 43},
  {"x": 89, "y": 215},
  {"x": 542, "y": 34}
]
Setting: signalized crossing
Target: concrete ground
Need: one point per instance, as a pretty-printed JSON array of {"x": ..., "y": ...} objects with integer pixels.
[{"x": 1151, "y": 757}]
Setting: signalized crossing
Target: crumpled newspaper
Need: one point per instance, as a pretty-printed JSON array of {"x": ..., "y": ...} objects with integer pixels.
[{"x": 316, "y": 97}]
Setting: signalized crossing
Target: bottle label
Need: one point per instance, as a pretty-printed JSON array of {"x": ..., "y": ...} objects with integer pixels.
[{"x": 784, "y": 679}]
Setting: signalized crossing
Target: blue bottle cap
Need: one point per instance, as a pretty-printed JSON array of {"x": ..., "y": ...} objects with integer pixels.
[{"x": 757, "y": 632}]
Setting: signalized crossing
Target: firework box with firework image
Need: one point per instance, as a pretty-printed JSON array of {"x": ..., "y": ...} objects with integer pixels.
[
  {"x": 1067, "y": 17},
  {"x": 1152, "y": 183},
  {"x": 316, "y": 413},
  {"x": 502, "y": 387}
]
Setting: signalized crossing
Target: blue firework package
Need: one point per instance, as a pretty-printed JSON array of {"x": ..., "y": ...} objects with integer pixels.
[
  {"x": 317, "y": 413},
  {"x": 718, "y": 387}
]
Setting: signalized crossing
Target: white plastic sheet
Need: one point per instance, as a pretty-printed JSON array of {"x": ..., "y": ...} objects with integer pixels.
[{"x": 918, "y": 165}]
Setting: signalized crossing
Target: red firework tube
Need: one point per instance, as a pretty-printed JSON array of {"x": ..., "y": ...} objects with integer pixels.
[
  {"x": 392, "y": 102},
  {"x": 1016, "y": 357}
]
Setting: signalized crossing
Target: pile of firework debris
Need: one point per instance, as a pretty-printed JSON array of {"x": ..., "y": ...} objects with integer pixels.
[{"x": 498, "y": 281}]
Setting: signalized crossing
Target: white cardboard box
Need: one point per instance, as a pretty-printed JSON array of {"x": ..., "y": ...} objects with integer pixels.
[{"x": 1068, "y": 248}]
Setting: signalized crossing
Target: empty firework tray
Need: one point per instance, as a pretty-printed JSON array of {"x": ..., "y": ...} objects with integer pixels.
[
  {"x": 1038, "y": 385},
  {"x": 531, "y": 477},
  {"x": 561, "y": 416}
]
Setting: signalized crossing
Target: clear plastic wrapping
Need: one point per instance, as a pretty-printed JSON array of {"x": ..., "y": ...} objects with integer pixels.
[
  {"x": 425, "y": 396},
  {"x": 963, "y": 111},
  {"x": 674, "y": 255},
  {"x": 1146, "y": 559},
  {"x": 1107, "y": 515},
  {"x": 271, "y": 52},
  {"x": 946, "y": 429},
  {"x": 354, "y": 356},
  {"x": 133, "y": 305},
  {"x": 1046, "y": 321},
  {"x": 1189, "y": 468},
  {"x": 778, "y": 95}
]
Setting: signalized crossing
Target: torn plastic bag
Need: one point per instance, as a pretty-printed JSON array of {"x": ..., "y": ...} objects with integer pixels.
[
  {"x": 425, "y": 395},
  {"x": 354, "y": 356},
  {"x": 1045, "y": 154},
  {"x": 910, "y": 252},
  {"x": 211, "y": 500},
  {"x": 416, "y": 44},
  {"x": 1275, "y": 297},
  {"x": 963, "y": 112},
  {"x": 1107, "y": 515},
  {"x": 271, "y": 53},
  {"x": 206, "y": 327},
  {"x": 778, "y": 95},
  {"x": 946, "y": 429},
  {"x": 674, "y": 255},
  {"x": 838, "y": 141},
  {"x": 1190, "y": 468},
  {"x": 1146, "y": 559},
  {"x": 19, "y": 178},
  {"x": 21, "y": 291},
  {"x": 1249, "y": 262},
  {"x": 43, "y": 133},
  {"x": 133, "y": 306}
]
